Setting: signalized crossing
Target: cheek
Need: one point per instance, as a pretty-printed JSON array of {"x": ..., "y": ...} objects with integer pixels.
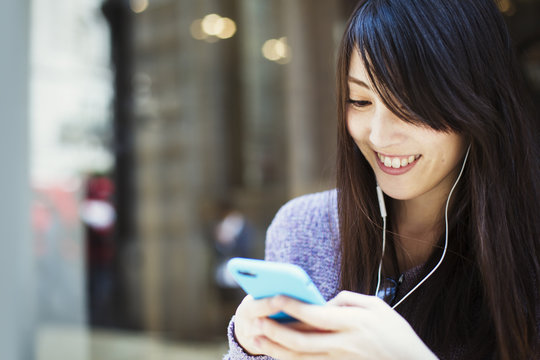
[
  {"x": 456, "y": 147},
  {"x": 448, "y": 151},
  {"x": 359, "y": 134},
  {"x": 355, "y": 127}
]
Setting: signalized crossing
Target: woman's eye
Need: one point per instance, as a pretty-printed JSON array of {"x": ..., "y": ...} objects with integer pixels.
[{"x": 358, "y": 103}]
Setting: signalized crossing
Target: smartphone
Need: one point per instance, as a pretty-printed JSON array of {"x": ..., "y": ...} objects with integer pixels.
[{"x": 261, "y": 279}]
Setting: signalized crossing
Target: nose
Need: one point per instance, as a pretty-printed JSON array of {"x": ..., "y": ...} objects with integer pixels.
[{"x": 385, "y": 129}]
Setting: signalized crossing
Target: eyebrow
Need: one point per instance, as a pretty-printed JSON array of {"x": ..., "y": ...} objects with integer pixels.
[{"x": 359, "y": 82}]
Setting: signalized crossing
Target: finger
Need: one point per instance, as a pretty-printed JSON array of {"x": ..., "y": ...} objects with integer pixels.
[
  {"x": 257, "y": 308},
  {"x": 319, "y": 316},
  {"x": 278, "y": 351},
  {"x": 349, "y": 298},
  {"x": 299, "y": 341},
  {"x": 302, "y": 327}
]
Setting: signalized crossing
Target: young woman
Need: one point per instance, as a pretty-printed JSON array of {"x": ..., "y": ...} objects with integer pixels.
[{"x": 431, "y": 110}]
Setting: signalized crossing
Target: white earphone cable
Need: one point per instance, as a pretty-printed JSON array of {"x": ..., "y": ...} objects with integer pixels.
[
  {"x": 382, "y": 256},
  {"x": 445, "y": 235}
]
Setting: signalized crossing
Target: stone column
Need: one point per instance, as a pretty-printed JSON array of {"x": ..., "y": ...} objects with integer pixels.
[
  {"x": 310, "y": 94},
  {"x": 17, "y": 307}
]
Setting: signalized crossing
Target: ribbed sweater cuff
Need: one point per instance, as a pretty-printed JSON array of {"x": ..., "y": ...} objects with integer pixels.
[{"x": 236, "y": 351}]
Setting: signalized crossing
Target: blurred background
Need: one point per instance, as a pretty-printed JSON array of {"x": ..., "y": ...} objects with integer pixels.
[{"x": 145, "y": 142}]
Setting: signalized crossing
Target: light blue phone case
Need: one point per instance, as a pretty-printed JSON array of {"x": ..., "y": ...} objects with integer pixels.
[{"x": 262, "y": 279}]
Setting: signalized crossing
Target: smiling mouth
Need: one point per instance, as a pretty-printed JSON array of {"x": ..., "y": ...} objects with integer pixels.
[{"x": 396, "y": 162}]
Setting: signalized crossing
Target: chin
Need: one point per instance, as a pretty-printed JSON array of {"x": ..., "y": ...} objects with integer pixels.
[
  {"x": 397, "y": 193},
  {"x": 397, "y": 196}
]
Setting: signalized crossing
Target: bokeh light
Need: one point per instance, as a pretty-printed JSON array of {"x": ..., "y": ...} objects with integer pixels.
[
  {"x": 228, "y": 30},
  {"x": 212, "y": 24},
  {"x": 507, "y": 7},
  {"x": 138, "y": 6},
  {"x": 213, "y": 27},
  {"x": 277, "y": 50}
]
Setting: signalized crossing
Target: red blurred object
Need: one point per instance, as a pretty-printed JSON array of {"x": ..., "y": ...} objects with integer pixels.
[
  {"x": 97, "y": 210},
  {"x": 99, "y": 188},
  {"x": 98, "y": 214}
]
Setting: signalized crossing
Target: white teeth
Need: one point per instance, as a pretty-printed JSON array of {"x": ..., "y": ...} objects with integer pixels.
[{"x": 397, "y": 162}]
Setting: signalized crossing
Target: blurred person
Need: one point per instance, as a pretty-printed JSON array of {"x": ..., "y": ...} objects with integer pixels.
[
  {"x": 98, "y": 215},
  {"x": 436, "y": 138},
  {"x": 233, "y": 238}
]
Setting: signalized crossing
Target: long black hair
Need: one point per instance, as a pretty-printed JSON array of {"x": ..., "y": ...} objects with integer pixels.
[{"x": 450, "y": 65}]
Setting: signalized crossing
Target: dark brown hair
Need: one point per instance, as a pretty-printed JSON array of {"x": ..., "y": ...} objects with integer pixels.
[{"x": 450, "y": 65}]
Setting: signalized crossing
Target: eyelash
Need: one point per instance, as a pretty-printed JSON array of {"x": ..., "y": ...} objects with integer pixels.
[{"x": 358, "y": 103}]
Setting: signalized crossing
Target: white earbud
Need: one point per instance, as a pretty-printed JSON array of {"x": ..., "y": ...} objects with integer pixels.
[{"x": 382, "y": 206}]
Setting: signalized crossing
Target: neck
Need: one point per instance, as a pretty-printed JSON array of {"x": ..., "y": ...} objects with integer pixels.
[{"x": 419, "y": 224}]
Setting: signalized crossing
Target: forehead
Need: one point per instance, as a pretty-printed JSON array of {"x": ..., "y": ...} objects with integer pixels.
[{"x": 357, "y": 69}]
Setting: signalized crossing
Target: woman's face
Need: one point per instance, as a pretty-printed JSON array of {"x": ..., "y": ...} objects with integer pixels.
[{"x": 409, "y": 161}]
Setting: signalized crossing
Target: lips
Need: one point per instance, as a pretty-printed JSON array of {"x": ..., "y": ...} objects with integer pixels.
[{"x": 396, "y": 165}]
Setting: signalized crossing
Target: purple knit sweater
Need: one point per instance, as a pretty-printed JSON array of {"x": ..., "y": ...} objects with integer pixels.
[{"x": 305, "y": 232}]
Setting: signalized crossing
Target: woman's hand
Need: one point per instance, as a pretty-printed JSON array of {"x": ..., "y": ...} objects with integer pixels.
[
  {"x": 248, "y": 317},
  {"x": 350, "y": 326}
]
